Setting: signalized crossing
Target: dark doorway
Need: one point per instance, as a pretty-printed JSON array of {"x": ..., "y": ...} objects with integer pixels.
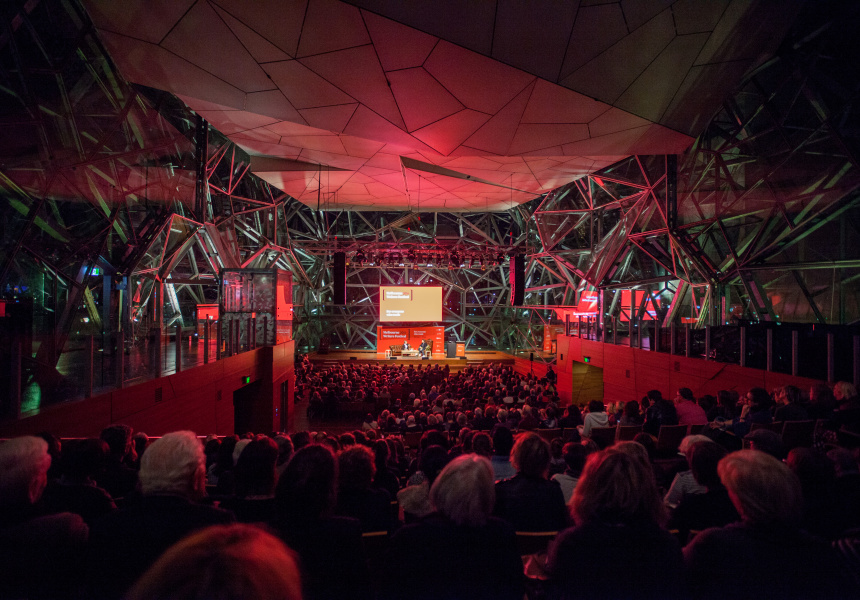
[
  {"x": 586, "y": 383},
  {"x": 245, "y": 406}
]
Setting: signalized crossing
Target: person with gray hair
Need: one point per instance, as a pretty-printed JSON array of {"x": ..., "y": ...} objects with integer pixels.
[
  {"x": 40, "y": 555},
  {"x": 473, "y": 554},
  {"x": 172, "y": 481},
  {"x": 766, "y": 554}
]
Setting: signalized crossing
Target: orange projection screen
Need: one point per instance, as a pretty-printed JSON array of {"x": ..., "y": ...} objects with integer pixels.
[{"x": 409, "y": 304}]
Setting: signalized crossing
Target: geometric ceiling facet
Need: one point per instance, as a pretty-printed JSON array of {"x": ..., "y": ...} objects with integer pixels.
[{"x": 527, "y": 97}]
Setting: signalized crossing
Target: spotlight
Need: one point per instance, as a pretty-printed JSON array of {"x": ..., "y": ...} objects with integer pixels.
[
  {"x": 411, "y": 257},
  {"x": 500, "y": 258},
  {"x": 455, "y": 260}
]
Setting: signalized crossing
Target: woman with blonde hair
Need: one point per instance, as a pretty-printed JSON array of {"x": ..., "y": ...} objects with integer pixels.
[{"x": 618, "y": 518}]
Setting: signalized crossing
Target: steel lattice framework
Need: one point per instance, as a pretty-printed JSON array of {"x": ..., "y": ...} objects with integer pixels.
[{"x": 758, "y": 220}]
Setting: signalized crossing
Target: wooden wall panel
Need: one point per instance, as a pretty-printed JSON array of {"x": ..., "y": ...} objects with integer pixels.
[
  {"x": 628, "y": 373},
  {"x": 199, "y": 399}
]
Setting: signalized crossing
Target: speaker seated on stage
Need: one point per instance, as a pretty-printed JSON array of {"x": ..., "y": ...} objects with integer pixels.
[
  {"x": 422, "y": 349},
  {"x": 406, "y": 345}
]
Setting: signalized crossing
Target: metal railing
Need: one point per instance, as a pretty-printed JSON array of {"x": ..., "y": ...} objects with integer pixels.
[{"x": 829, "y": 353}]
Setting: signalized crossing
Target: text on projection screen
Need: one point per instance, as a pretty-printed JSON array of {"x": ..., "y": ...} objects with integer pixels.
[{"x": 403, "y": 304}]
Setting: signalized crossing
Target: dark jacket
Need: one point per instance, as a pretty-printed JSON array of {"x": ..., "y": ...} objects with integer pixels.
[
  {"x": 437, "y": 559},
  {"x": 126, "y": 542},
  {"x": 531, "y": 503}
]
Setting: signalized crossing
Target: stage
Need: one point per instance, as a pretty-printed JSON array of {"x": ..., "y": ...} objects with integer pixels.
[{"x": 474, "y": 358}]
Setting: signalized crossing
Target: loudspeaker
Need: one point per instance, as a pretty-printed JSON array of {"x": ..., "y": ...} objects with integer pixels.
[
  {"x": 518, "y": 279},
  {"x": 339, "y": 270}
]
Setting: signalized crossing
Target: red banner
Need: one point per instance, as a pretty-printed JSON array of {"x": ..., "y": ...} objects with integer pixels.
[{"x": 390, "y": 336}]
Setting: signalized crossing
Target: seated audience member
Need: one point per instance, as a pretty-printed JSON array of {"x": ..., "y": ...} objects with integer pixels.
[
  {"x": 595, "y": 417},
  {"x": 660, "y": 412},
  {"x": 574, "y": 455},
  {"x": 556, "y": 460},
  {"x": 766, "y": 554},
  {"x": 386, "y": 477},
  {"x": 822, "y": 403},
  {"x": 285, "y": 452},
  {"x": 528, "y": 500},
  {"x": 727, "y": 406},
  {"x": 255, "y": 477},
  {"x": 572, "y": 418},
  {"x": 789, "y": 406},
  {"x": 118, "y": 478},
  {"x": 847, "y": 484},
  {"x": 76, "y": 491},
  {"x": 618, "y": 520},
  {"x": 767, "y": 441},
  {"x": 503, "y": 441},
  {"x": 414, "y": 499},
  {"x": 631, "y": 417},
  {"x": 823, "y": 512},
  {"x": 689, "y": 413},
  {"x": 459, "y": 551},
  {"x": 696, "y": 512},
  {"x": 529, "y": 421},
  {"x": 684, "y": 483},
  {"x": 228, "y": 562},
  {"x": 124, "y": 543},
  {"x": 41, "y": 556},
  {"x": 356, "y": 496},
  {"x": 330, "y": 548},
  {"x": 756, "y": 410}
]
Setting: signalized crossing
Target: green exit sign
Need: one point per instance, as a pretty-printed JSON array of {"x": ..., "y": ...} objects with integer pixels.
[{"x": 246, "y": 380}]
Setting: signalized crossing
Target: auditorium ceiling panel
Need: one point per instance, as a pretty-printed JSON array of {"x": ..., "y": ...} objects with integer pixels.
[{"x": 581, "y": 85}]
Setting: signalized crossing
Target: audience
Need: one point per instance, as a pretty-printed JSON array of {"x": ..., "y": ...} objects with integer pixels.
[{"x": 747, "y": 519}]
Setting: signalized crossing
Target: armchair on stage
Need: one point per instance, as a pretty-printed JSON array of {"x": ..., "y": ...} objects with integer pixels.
[{"x": 395, "y": 350}]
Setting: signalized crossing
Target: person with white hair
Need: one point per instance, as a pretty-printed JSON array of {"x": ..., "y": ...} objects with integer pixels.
[
  {"x": 172, "y": 482},
  {"x": 766, "y": 554},
  {"x": 474, "y": 554},
  {"x": 40, "y": 555}
]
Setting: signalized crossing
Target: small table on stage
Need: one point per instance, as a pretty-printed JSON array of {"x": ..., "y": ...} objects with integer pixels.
[{"x": 411, "y": 352}]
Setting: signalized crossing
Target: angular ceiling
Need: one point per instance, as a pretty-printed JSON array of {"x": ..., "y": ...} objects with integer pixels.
[{"x": 444, "y": 105}]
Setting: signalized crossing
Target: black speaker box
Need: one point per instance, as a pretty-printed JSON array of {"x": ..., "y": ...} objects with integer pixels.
[
  {"x": 339, "y": 270},
  {"x": 518, "y": 279}
]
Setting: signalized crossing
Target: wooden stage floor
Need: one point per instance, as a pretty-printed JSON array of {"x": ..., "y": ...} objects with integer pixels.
[{"x": 478, "y": 357}]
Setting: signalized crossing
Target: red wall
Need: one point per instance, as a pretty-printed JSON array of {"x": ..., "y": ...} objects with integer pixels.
[
  {"x": 199, "y": 399},
  {"x": 628, "y": 373}
]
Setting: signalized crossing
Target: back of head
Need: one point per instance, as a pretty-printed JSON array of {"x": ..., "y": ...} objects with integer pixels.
[
  {"x": 174, "y": 464},
  {"x": 703, "y": 458},
  {"x": 432, "y": 461},
  {"x": 503, "y": 441},
  {"x": 574, "y": 457},
  {"x": 530, "y": 455},
  {"x": 759, "y": 398},
  {"x": 84, "y": 459},
  {"x": 356, "y": 467},
  {"x": 118, "y": 438},
  {"x": 686, "y": 394},
  {"x": 596, "y": 406},
  {"x": 690, "y": 440},
  {"x": 482, "y": 444},
  {"x": 224, "y": 562},
  {"x": 255, "y": 469},
  {"x": 616, "y": 488},
  {"x": 464, "y": 490},
  {"x": 306, "y": 489},
  {"x": 24, "y": 464},
  {"x": 654, "y": 395},
  {"x": 763, "y": 489}
]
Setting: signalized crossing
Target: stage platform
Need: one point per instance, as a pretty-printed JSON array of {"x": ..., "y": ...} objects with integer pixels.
[{"x": 475, "y": 358}]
